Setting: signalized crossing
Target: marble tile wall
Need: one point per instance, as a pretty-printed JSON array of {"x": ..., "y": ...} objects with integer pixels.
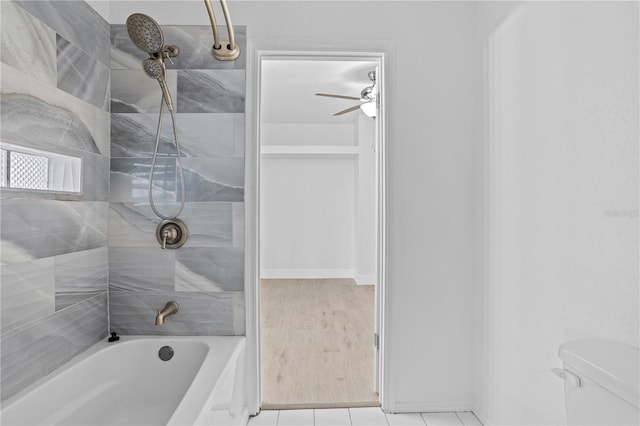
[
  {"x": 54, "y": 247},
  {"x": 206, "y": 275}
]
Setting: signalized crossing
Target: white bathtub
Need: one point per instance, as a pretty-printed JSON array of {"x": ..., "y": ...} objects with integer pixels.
[{"x": 126, "y": 383}]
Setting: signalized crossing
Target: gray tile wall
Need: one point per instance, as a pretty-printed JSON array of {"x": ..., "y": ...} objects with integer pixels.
[
  {"x": 206, "y": 275},
  {"x": 55, "y": 97},
  {"x": 62, "y": 92}
]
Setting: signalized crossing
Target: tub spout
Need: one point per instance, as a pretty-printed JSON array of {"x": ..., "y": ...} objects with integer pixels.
[{"x": 169, "y": 309}]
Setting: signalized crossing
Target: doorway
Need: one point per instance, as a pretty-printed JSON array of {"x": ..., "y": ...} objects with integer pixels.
[{"x": 306, "y": 155}]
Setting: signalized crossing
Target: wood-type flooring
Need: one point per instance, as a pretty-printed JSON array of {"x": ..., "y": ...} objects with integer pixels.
[{"x": 316, "y": 344}]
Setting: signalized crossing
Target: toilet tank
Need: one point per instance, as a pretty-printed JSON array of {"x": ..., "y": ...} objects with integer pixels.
[{"x": 601, "y": 382}]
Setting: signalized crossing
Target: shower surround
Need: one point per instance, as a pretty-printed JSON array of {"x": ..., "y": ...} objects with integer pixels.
[
  {"x": 75, "y": 265},
  {"x": 55, "y": 97},
  {"x": 206, "y": 275}
]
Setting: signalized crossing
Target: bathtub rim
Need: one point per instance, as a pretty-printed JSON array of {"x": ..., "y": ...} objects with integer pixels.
[{"x": 234, "y": 351}]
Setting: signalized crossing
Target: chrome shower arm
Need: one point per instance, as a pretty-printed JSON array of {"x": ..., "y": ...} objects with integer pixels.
[{"x": 230, "y": 51}]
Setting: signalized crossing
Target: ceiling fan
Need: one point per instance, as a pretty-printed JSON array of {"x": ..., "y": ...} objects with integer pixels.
[{"x": 367, "y": 98}]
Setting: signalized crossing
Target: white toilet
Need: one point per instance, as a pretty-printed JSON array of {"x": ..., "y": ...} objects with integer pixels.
[{"x": 601, "y": 382}]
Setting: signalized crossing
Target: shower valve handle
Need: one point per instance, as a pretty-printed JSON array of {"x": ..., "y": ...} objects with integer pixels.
[
  {"x": 169, "y": 233},
  {"x": 172, "y": 233}
]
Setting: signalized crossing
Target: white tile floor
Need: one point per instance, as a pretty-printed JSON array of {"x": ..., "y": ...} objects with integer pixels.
[{"x": 370, "y": 416}]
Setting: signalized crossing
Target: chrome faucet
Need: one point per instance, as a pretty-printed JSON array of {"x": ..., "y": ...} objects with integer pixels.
[{"x": 169, "y": 309}]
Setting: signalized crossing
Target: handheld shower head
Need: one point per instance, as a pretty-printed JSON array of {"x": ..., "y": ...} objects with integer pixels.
[
  {"x": 154, "y": 68},
  {"x": 145, "y": 33}
]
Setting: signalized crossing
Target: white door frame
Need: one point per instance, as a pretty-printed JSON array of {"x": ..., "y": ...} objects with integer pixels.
[{"x": 379, "y": 51}]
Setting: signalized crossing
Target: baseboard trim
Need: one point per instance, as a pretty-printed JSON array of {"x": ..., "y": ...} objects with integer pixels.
[
  {"x": 306, "y": 273},
  {"x": 365, "y": 279}
]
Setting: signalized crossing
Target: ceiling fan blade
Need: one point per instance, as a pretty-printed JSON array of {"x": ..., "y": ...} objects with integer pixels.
[
  {"x": 328, "y": 95},
  {"x": 353, "y": 108}
]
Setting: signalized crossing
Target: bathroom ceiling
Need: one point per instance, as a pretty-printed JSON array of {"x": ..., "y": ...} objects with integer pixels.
[{"x": 289, "y": 87}]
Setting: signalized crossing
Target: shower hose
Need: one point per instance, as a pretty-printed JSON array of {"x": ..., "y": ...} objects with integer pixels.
[{"x": 153, "y": 163}]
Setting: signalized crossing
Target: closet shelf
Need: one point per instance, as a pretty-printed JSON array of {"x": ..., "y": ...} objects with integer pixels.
[{"x": 295, "y": 151}]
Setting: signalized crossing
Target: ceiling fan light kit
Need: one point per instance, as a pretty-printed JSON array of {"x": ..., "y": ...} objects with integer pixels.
[
  {"x": 367, "y": 97},
  {"x": 369, "y": 109}
]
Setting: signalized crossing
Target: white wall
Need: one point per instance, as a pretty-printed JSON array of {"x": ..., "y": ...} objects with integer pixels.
[
  {"x": 307, "y": 217},
  {"x": 343, "y": 134},
  {"x": 318, "y": 211},
  {"x": 366, "y": 202},
  {"x": 561, "y": 98},
  {"x": 429, "y": 186},
  {"x": 307, "y": 203}
]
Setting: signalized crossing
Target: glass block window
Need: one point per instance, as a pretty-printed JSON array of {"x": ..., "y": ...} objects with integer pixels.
[
  {"x": 28, "y": 171},
  {"x": 28, "y": 168}
]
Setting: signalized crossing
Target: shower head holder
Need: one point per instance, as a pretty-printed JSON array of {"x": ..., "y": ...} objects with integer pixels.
[
  {"x": 168, "y": 52},
  {"x": 225, "y": 52}
]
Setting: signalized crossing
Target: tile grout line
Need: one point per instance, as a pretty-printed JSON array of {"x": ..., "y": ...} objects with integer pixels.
[{"x": 421, "y": 414}]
